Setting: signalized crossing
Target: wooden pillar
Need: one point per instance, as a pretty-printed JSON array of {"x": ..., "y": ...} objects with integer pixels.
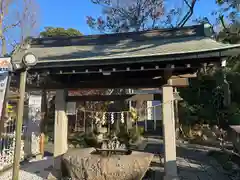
[
  {"x": 169, "y": 134},
  {"x": 44, "y": 115},
  {"x": 60, "y": 128}
]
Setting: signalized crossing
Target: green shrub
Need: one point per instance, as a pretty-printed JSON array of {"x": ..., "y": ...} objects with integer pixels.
[
  {"x": 234, "y": 119},
  {"x": 123, "y": 137},
  {"x": 141, "y": 130},
  {"x": 91, "y": 140},
  {"x": 77, "y": 139},
  {"x": 46, "y": 139},
  {"x": 134, "y": 134}
]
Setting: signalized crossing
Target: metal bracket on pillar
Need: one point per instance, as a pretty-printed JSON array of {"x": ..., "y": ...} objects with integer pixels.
[{"x": 177, "y": 97}]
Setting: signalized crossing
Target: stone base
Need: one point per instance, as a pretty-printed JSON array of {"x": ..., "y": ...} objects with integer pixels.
[
  {"x": 169, "y": 177},
  {"x": 51, "y": 177},
  {"x": 54, "y": 175},
  {"x": 82, "y": 164}
]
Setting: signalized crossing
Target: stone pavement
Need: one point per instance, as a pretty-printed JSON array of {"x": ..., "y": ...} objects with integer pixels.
[{"x": 193, "y": 162}]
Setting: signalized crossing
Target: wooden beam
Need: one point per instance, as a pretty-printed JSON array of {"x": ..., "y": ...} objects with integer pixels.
[
  {"x": 147, "y": 83},
  {"x": 114, "y": 83},
  {"x": 194, "y": 75},
  {"x": 145, "y": 97},
  {"x": 117, "y": 75},
  {"x": 128, "y": 97},
  {"x": 130, "y": 62},
  {"x": 98, "y": 98}
]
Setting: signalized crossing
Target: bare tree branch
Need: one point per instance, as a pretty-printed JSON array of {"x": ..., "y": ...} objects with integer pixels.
[
  {"x": 126, "y": 15},
  {"x": 24, "y": 17},
  {"x": 188, "y": 14},
  {"x": 221, "y": 18},
  {"x": 6, "y": 28}
]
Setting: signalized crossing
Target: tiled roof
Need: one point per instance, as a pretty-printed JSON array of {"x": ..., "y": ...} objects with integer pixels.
[{"x": 194, "y": 39}]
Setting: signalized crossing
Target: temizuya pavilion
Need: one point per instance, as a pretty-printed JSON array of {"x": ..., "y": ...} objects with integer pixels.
[{"x": 151, "y": 59}]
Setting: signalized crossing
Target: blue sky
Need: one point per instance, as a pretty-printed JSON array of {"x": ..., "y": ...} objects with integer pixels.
[{"x": 72, "y": 13}]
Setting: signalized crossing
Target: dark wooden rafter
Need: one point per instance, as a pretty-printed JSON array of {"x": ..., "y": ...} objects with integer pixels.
[
  {"x": 126, "y": 97},
  {"x": 71, "y": 68},
  {"x": 117, "y": 76},
  {"x": 128, "y": 83},
  {"x": 129, "y": 76},
  {"x": 98, "y": 98}
]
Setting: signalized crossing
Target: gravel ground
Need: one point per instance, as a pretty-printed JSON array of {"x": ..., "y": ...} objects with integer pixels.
[
  {"x": 23, "y": 176},
  {"x": 34, "y": 170}
]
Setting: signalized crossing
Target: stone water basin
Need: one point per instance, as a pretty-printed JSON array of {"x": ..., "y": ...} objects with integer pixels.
[{"x": 89, "y": 164}]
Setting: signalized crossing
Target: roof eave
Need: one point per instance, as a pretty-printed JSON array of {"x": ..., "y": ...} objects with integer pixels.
[{"x": 216, "y": 53}]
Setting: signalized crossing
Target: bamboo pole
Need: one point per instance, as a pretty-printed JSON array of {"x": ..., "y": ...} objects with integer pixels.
[
  {"x": 146, "y": 118},
  {"x": 44, "y": 109},
  {"x": 23, "y": 76},
  {"x": 154, "y": 118},
  {"x": 76, "y": 122},
  {"x": 41, "y": 144}
]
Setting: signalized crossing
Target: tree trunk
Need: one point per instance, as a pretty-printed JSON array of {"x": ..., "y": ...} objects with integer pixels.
[
  {"x": 182, "y": 131},
  {"x": 4, "y": 114},
  {"x": 3, "y": 39},
  {"x": 4, "y": 46}
]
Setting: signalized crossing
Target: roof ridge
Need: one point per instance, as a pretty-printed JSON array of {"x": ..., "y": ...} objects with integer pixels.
[
  {"x": 196, "y": 30},
  {"x": 124, "y": 33}
]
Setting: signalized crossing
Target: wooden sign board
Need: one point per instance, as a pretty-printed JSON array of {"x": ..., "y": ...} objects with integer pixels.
[
  {"x": 71, "y": 108},
  {"x": 5, "y": 67},
  {"x": 5, "y": 64},
  {"x": 178, "y": 82}
]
